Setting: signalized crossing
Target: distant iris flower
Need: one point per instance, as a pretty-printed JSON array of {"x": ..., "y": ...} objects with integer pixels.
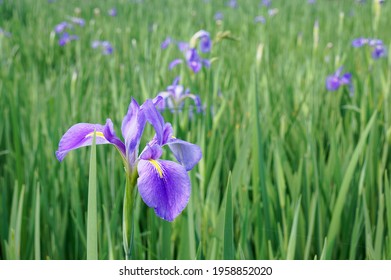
[
  {"x": 163, "y": 185},
  {"x": 260, "y": 19},
  {"x": 336, "y": 80},
  {"x": 378, "y": 48},
  {"x": 193, "y": 59},
  {"x": 266, "y": 3},
  {"x": 232, "y": 3},
  {"x": 66, "y": 38},
  {"x": 112, "y": 12},
  {"x": 105, "y": 47},
  {"x": 218, "y": 16},
  {"x": 175, "y": 95},
  {"x": 62, "y": 26}
]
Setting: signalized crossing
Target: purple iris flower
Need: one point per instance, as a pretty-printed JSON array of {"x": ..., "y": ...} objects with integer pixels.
[
  {"x": 378, "y": 48},
  {"x": 112, "y": 12},
  {"x": 175, "y": 95},
  {"x": 334, "y": 81},
  {"x": 66, "y": 38},
  {"x": 311, "y": 1},
  {"x": 194, "y": 61},
  {"x": 105, "y": 47},
  {"x": 232, "y": 3},
  {"x": 359, "y": 42},
  {"x": 163, "y": 185},
  {"x": 218, "y": 16},
  {"x": 379, "y": 51},
  {"x": 62, "y": 26}
]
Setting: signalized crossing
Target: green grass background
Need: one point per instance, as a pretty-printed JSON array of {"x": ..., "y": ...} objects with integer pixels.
[{"x": 289, "y": 170}]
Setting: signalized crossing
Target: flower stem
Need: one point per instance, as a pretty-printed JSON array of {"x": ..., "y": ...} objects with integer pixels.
[{"x": 128, "y": 214}]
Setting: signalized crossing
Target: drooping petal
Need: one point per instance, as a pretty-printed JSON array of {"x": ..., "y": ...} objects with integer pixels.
[
  {"x": 164, "y": 186},
  {"x": 186, "y": 153},
  {"x": 80, "y": 135}
]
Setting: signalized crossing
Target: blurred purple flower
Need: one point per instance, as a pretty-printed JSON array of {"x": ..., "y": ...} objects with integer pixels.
[
  {"x": 260, "y": 19},
  {"x": 359, "y": 42},
  {"x": 218, "y": 16},
  {"x": 194, "y": 61},
  {"x": 175, "y": 95},
  {"x": 174, "y": 63},
  {"x": 62, "y": 26},
  {"x": 336, "y": 80},
  {"x": 66, "y": 38},
  {"x": 265, "y": 3},
  {"x": 166, "y": 43},
  {"x": 311, "y": 1},
  {"x": 79, "y": 21},
  {"x": 183, "y": 46},
  {"x": 232, "y": 3},
  {"x": 379, "y": 51},
  {"x": 104, "y": 46},
  {"x": 378, "y": 48},
  {"x": 112, "y": 12}
]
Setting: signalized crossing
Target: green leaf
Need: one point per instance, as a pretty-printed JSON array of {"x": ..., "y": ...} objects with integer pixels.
[{"x": 92, "y": 223}]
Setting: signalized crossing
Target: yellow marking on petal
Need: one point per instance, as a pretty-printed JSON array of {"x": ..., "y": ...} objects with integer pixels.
[
  {"x": 157, "y": 166},
  {"x": 98, "y": 134}
]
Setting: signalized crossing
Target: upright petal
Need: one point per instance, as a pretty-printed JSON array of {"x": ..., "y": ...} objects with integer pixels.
[
  {"x": 164, "y": 186},
  {"x": 132, "y": 128},
  {"x": 80, "y": 135},
  {"x": 153, "y": 116}
]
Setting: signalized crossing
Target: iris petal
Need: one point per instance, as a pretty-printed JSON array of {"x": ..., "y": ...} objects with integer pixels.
[
  {"x": 186, "y": 153},
  {"x": 164, "y": 186},
  {"x": 80, "y": 135}
]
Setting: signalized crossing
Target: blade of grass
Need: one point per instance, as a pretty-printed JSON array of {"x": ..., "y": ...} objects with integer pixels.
[
  {"x": 37, "y": 232},
  {"x": 229, "y": 249},
  {"x": 340, "y": 202},
  {"x": 92, "y": 224},
  {"x": 290, "y": 255}
]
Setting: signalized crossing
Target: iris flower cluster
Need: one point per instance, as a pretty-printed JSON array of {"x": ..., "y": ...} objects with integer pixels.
[
  {"x": 191, "y": 52},
  {"x": 175, "y": 95},
  {"x": 378, "y": 48},
  {"x": 163, "y": 185},
  {"x": 63, "y": 27},
  {"x": 336, "y": 80}
]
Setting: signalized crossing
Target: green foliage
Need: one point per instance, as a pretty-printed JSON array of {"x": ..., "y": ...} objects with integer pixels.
[{"x": 289, "y": 170}]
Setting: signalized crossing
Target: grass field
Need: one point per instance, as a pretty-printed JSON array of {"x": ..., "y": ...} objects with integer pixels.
[{"x": 289, "y": 169}]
